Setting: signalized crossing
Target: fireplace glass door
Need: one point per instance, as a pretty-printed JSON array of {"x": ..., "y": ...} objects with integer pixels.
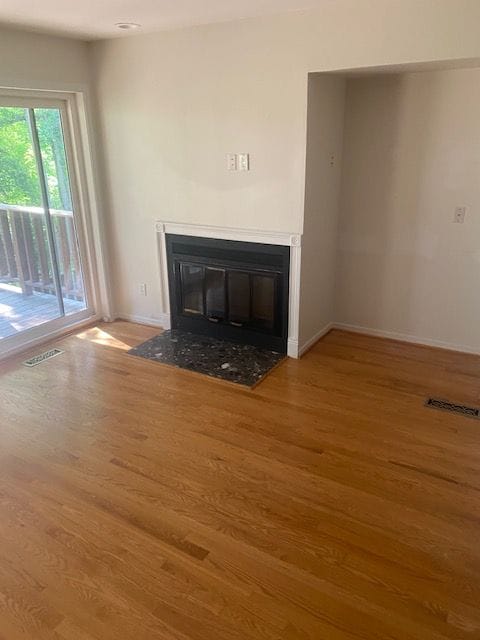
[
  {"x": 215, "y": 296},
  {"x": 224, "y": 295},
  {"x": 229, "y": 289},
  {"x": 192, "y": 288}
]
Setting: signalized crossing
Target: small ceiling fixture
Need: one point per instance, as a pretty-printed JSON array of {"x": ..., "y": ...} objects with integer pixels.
[{"x": 127, "y": 25}]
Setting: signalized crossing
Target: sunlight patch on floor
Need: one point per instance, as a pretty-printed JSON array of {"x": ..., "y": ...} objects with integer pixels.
[
  {"x": 6, "y": 311},
  {"x": 98, "y": 336}
]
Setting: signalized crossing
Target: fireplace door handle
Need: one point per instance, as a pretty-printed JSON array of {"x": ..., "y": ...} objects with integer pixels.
[
  {"x": 213, "y": 319},
  {"x": 236, "y": 324}
]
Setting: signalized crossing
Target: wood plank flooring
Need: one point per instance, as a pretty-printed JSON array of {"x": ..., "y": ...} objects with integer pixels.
[{"x": 140, "y": 502}]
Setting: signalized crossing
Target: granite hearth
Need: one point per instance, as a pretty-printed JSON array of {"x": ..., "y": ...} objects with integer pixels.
[{"x": 243, "y": 364}]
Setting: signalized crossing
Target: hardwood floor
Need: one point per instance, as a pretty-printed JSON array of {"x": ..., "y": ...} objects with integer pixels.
[{"x": 142, "y": 502}]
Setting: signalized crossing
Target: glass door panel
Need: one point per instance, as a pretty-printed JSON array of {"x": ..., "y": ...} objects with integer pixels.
[
  {"x": 28, "y": 294},
  {"x": 263, "y": 301},
  {"x": 215, "y": 293},
  {"x": 54, "y": 165},
  {"x": 40, "y": 266},
  {"x": 192, "y": 288},
  {"x": 238, "y": 297}
]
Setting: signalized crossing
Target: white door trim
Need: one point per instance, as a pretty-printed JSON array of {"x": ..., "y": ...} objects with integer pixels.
[
  {"x": 89, "y": 223},
  {"x": 78, "y": 136}
]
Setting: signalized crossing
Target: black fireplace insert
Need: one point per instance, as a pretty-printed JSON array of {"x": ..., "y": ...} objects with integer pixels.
[{"x": 228, "y": 289}]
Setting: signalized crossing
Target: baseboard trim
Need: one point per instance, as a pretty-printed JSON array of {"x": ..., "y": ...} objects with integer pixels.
[
  {"x": 315, "y": 338},
  {"x": 163, "y": 321},
  {"x": 292, "y": 348},
  {"x": 405, "y": 337}
]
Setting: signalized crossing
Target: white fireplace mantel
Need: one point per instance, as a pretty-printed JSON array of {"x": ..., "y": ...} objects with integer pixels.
[{"x": 292, "y": 240}]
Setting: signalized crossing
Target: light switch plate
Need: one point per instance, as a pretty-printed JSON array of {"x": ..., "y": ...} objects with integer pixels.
[
  {"x": 231, "y": 161},
  {"x": 244, "y": 162}
]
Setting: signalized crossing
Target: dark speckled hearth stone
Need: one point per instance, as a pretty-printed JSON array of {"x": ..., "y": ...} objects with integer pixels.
[{"x": 240, "y": 363}]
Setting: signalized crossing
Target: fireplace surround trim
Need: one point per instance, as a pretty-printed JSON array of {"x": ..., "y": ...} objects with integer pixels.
[{"x": 292, "y": 240}]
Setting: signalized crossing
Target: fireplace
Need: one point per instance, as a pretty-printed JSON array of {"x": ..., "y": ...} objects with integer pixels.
[{"x": 229, "y": 289}]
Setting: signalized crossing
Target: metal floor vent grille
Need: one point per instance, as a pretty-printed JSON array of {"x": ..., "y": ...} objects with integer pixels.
[
  {"x": 445, "y": 405},
  {"x": 32, "y": 362}
]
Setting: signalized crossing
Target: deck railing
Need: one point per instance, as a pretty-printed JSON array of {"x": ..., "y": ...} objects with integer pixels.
[{"x": 25, "y": 258}]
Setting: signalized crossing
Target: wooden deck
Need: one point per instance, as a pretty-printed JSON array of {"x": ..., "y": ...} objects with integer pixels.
[
  {"x": 19, "y": 312},
  {"x": 143, "y": 502}
]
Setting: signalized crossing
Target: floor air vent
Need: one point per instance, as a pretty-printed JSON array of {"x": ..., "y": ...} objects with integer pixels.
[
  {"x": 445, "y": 405},
  {"x": 32, "y": 362}
]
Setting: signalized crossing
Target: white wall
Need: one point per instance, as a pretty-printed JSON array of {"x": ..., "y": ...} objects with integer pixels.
[
  {"x": 411, "y": 155},
  {"x": 326, "y": 103},
  {"x": 35, "y": 61},
  {"x": 172, "y": 104}
]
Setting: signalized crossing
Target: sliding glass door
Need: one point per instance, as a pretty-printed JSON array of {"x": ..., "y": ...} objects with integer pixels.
[{"x": 42, "y": 270}]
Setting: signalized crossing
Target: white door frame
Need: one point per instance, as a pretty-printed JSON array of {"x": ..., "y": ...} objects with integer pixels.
[{"x": 88, "y": 221}]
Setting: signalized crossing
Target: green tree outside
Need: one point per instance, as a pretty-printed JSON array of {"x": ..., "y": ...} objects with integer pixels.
[{"x": 19, "y": 183}]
